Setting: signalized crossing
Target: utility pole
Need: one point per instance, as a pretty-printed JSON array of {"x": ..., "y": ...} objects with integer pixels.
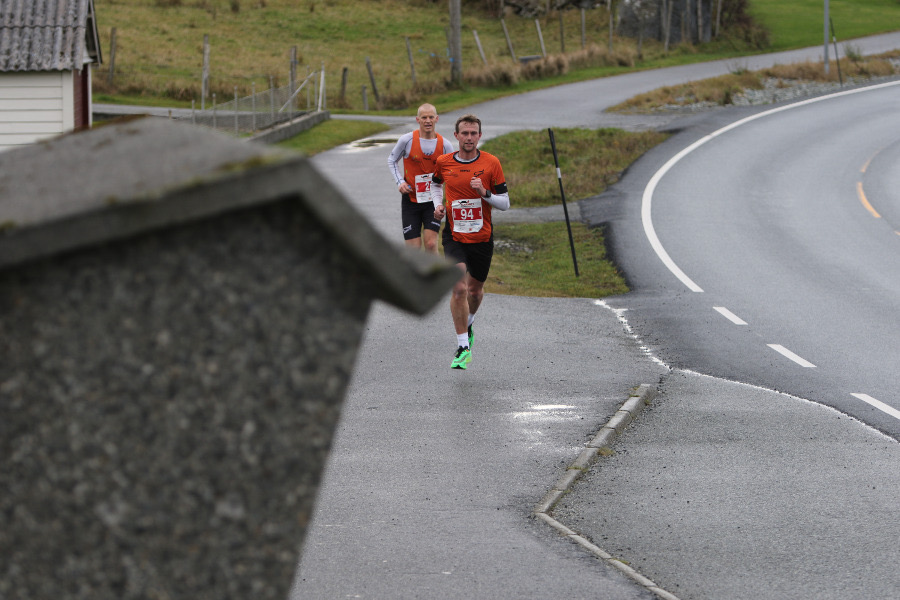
[
  {"x": 204, "y": 81},
  {"x": 455, "y": 39},
  {"x": 826, "y": 37}
]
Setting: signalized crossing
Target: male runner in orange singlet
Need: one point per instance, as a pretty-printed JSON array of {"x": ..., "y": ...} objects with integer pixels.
[{"x": 472, "y": 184}]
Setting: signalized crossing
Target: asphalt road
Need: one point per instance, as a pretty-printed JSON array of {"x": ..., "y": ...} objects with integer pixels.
[
  {"x": 773, "y": 263},
  {"x": 724, "y": 491},
  {"x": 719, "y": 490},
  {"x": 434, "y": 473}
]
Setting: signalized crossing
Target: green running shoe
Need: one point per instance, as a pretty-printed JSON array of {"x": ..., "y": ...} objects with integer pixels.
[
  {"x": 462, "y": 359},
  {"x": 471, "y": 337}
]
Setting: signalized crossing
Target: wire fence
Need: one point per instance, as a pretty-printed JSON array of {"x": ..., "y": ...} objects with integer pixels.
[{"x": 263, "y": 110}]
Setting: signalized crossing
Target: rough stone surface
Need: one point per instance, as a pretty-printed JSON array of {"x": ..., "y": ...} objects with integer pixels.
[
  {"x": 167, "y": 406},
  {"x": 779, "y": 90},
  {"x": 776, "y": 90}
]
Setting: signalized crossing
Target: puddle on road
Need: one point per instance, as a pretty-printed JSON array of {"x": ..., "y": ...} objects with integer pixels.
[
  {"x": 546, "y": 412},
  {"x": 371, "y": 143}
]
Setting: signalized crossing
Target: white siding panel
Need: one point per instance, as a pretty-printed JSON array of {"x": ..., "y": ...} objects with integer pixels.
[
  {"x": 25, "y": 104},
  {"x": 49, "y": 127},
  {"x": 26, "y": 116},
  {"x": 29, "y": 80},
  {"x": 15, "y": 92},
  {"x": 68, "y": 101},
  {"x": 33, "y": 106}
]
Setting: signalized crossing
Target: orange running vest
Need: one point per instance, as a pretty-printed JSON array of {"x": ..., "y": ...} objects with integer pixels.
[
  {"x": 468, "y": 215},
  {"x": 418, "y": 167}
]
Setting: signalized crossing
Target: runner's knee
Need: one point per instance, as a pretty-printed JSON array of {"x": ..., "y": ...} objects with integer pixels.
[{"x": 475, "y": 288}]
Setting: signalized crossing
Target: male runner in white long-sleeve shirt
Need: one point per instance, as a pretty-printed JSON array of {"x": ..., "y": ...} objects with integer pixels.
[{"x": 418, "y": 150}]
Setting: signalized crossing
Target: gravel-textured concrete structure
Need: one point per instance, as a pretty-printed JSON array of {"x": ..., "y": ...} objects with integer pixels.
[{"x": 179, "y": 318}]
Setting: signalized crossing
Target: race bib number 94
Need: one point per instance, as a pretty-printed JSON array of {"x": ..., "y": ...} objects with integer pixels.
[
  {"x": 467, "y": 215},
  {"x": 423, "y": 188}
]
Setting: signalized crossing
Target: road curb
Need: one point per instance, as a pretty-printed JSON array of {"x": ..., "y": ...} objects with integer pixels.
[{"x": 607, "y": 434}]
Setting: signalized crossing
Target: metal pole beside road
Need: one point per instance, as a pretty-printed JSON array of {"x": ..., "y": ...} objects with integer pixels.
[
  {"x": 837, "y": 59},
  {"x": 562, "y": 193},
  {"x": 827, "y": 21}
]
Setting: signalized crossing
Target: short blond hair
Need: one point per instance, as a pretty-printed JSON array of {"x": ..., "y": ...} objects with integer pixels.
[{"x": 426, "y": 106}]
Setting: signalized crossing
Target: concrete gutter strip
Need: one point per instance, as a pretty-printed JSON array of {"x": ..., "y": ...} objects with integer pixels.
[
  {"x": 662, "y": 593},
  {"x": 585, "y": 459},
  {"x": 607, "y": 434}
]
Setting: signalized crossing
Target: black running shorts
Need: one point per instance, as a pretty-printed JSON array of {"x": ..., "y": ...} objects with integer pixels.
[
  {"x": 415, "y": 216},
  {"x": 476, "y": 256}
]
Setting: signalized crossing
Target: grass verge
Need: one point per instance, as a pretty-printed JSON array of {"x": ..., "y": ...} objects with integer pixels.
[
  {"x": 590, "y": 160},
  {"x": 536, "y": 260},
  {"x": 331, "y": 133}
]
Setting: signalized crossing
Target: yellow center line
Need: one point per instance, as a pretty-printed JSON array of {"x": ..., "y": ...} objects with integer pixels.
[{"x": 865, "y": 202}]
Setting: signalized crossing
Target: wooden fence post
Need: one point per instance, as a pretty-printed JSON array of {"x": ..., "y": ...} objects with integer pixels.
[
  {"x": 537, "y": 24},
  {"x": 699, "y": 22},
  {"x": 343, "y": 84},
  {"x": 204, "y": 81},
  {"x": 323, "y": 97},
  {"x": 365, "y": 99},
  {"x": 315, "y": 87},
  {"x": 480, "y": 49},
  {"x": 455, "y": 42},
  {"x": 718, "y": 16},
  {"x": 609, "y": 7},
  {"x": 292, "y": 85},
  {"x": 562, "y": 33},
  {"x": 412, "y": 64},
  {"x": 112, "y": 56},
  {"x": 583, "y": 31},
  {"x": 372, "y": 80},
  {"x": 508, "y": 41}
]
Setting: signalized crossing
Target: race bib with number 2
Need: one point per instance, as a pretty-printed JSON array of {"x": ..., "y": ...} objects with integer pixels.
[{"x": 423, "y": 188}]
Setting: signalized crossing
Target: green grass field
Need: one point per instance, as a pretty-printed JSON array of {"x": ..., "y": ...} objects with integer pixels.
[
  {"x": 800, "y": 23},
  {"x": 159, "y": 46}
]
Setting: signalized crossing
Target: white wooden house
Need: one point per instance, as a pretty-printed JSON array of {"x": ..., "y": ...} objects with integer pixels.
[{"x": 46, "y": 50}]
